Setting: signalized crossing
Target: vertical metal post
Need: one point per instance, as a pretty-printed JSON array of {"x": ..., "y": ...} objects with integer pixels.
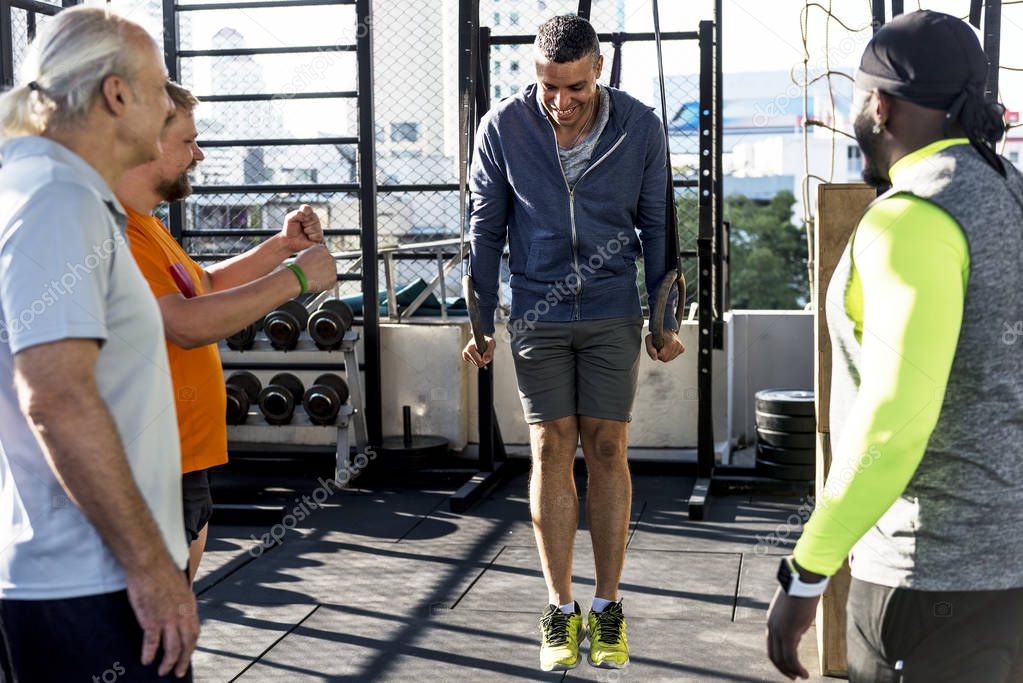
[
  {"x": 485, "y": 377},
  {"x": 483, "y": 74},
  {"x": 31, "y": 26},
  {"x": 897, "y": 8},
  {"x": 368, "y": 210},
  {"x": 584, "y": 9},
  {"x": 719, "y": 198},
  {"x": 6, "y": 45},
  {"x": 443, "y": 284},
  {"x": 176, "y": 210},
  {"x": 705, "y": 255},
  {"x": 877, "y": 7},
  {"x": 992, "y": 46}
]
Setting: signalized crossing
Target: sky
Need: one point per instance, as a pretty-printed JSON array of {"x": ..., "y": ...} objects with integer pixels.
[{"x": 765, "y": 35}]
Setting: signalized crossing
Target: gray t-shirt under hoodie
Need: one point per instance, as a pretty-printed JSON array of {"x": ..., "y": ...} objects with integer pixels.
[{"x": 575, "y": 160}]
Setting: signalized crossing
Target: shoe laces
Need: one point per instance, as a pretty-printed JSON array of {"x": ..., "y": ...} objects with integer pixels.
[
  {"x": 554, "y": 624},
  {"x": 609, "y": 623}
]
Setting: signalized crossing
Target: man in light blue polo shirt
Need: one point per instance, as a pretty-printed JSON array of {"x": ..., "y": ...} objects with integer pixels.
[{"x": 93, "y": 546}]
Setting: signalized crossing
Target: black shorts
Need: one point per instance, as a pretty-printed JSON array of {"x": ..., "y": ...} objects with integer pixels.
[
  {"x": 94, "y": 638},
  {"x": 898, "y": 635},
  {"x": 196, "y": 501}
]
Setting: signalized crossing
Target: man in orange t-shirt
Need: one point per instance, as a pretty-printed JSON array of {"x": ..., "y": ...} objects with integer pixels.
[{"x": 200, "y": 307}]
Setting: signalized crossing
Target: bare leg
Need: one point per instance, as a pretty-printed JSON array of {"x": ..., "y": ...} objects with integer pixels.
[
  {"x": 554, "y": 503},
  {"x": 608, "y": 499},
  {"x": 195, "y": 549}
]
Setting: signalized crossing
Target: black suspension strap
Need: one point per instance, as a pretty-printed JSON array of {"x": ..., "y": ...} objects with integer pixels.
[
  {"x": 616, "y": 62},
  {"x": 466, "y": 119},
  {"x": 673, "y": 274}
]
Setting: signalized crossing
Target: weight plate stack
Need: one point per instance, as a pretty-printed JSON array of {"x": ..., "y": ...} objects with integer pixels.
[{"x": 786, "y": 434}]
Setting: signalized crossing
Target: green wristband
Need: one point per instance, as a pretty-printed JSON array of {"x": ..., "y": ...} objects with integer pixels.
[{"x": 297, "y": 270}]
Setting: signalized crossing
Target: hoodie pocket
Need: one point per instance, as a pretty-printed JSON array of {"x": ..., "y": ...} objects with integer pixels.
[{"x": 550, "y": 260}]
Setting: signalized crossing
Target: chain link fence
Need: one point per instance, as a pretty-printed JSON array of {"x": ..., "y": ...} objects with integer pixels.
[
  {"x": 23, "y": 28},
  {"x": 416, "y": 116}
]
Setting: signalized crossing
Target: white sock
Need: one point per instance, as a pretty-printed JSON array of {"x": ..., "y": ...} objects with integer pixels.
[
  {"x": 568, "y": 609},
  {"x": 599, "y": 604}
]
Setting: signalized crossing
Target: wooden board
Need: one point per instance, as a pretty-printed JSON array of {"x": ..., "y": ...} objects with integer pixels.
[{"x": 839, "y": 208}]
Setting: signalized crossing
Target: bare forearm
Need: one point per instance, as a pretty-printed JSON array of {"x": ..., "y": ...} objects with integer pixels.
[
  {"x": 245, "y": 268},
  {"x": 83, "y": 448},
  {"x": 206, "y": 319}
]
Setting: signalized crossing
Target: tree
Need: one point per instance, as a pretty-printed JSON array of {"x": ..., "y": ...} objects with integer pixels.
[{"x": 768, "y": 254}]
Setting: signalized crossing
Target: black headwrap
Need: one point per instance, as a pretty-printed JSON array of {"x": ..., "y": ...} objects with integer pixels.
[{"x": 935, "y": 60}]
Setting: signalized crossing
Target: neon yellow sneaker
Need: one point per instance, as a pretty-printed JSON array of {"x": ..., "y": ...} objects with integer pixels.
[
  {"x": 560, "y": 635},
  {"x": 609, "y": 647}
]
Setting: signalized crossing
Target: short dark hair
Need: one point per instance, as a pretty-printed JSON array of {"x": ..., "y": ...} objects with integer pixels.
[{"x": 567, "y": 38}]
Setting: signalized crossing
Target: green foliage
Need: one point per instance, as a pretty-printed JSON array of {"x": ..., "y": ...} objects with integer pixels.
[{"x": 768, "y": 254}]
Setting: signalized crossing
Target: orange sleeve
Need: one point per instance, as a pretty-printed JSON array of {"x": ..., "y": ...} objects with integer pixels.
[{"x": 152, "y": 261}]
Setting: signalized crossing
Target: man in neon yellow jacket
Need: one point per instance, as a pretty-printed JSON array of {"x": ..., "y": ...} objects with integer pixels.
[{"x": 926, "y": 489}]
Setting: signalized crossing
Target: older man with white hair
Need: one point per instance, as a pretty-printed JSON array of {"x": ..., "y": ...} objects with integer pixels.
[{"x": 93, "y": 551}]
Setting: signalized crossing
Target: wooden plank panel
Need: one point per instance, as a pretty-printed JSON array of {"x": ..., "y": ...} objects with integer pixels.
[{"x": 839, "y": 208}]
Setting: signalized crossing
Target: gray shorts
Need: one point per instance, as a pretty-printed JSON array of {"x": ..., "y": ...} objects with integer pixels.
[{"x": 583, "y": 367}]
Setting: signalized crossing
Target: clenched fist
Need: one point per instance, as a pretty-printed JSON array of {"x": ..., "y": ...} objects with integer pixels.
[
  {"x": 301, "y": 229},
  {"x": 319, "y": 267}
]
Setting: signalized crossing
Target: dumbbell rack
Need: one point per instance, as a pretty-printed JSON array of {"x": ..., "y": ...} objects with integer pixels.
[{"x": 301, "y": 435}]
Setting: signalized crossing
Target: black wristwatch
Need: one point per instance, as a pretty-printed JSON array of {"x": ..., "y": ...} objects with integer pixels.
[{"x": 788, "y": 577}]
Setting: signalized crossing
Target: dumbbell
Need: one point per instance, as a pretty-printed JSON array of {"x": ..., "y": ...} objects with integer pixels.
[
  {"x": 329, "y": 323},
  {"x": 284, "y": 324},
  {"x": 242, "y": 391},
  {"x": 323, "y": 400},
  {"x": 278, "y": 399},
  {"x": 243, "y": 339}
]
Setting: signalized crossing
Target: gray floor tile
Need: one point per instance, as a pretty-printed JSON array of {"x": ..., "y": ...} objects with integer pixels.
[
  {"x": 757, "y": 584},
  {"x": 654, "y": 583},
  {"x": 227, "y": 547},
  {"x": 236, "y": 633},
  {"x": 344, "y": 643},
  {"x": 686, "y": 651},
  {"x": 314, "y": 570},
  {"x": 733, "y": 525}
]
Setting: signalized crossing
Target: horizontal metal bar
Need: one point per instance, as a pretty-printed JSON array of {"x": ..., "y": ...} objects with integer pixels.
[
  {"x": 279, "y": 142},
  {"x": 249, "y": 51},
  {"x": 36, "y": 6},
  {"x": 421, "y": 256},
  {"x": 254, "y": 4},
  {"x": 432, "y": 244},
  {"x": 319, "y": 188},
  {"x": 285, "y": 365},
  {"x": 603, "y": 37},
  {"x": 424, "y": 187},
  {"x": 349, "y": 277},
  {"x": 271, "y": 96},
  {"x": 348, "y": 232},
  {"x": 446, "y": 187}
]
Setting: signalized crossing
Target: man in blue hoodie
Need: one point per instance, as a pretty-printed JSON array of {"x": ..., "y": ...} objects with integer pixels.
[{"x": 572, "y": 176}]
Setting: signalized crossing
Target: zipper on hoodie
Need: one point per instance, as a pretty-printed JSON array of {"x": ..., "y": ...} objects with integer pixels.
[{"x": 577, "y": 308}]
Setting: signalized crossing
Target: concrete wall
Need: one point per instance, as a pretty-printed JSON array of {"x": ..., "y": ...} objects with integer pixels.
[
  {"x": 422, "y": 367},
  {"x": 773, "y": 350}
]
